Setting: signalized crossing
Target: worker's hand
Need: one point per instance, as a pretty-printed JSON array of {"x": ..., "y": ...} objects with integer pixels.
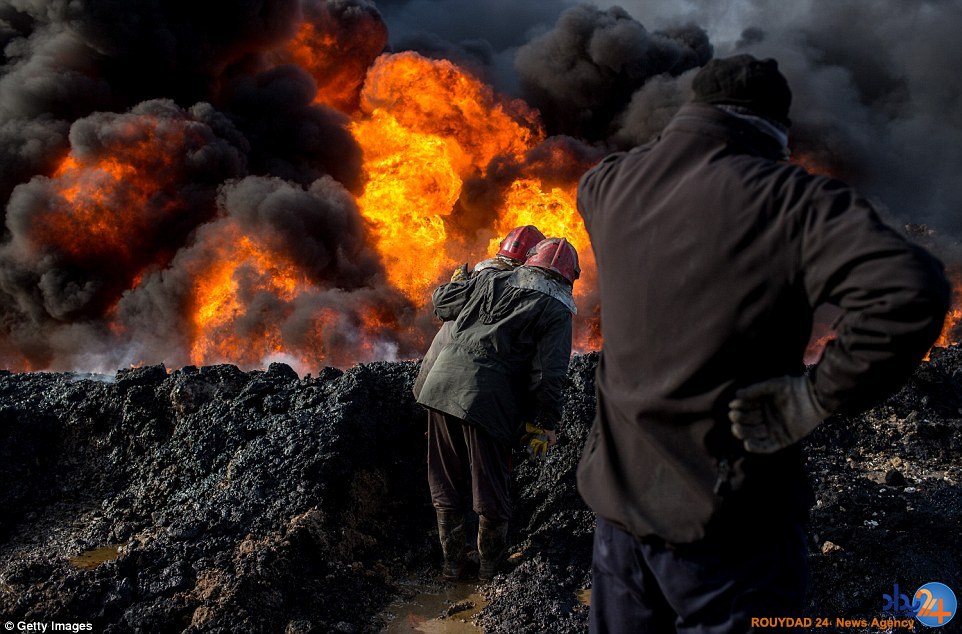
[
  {"x": 460, "y": 274},
  {"x": 774, "y": 414},
  {"x": 536, "y": 441}
]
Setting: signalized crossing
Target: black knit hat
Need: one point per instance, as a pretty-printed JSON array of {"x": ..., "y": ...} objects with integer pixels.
[{"x": 745, "y": 81}]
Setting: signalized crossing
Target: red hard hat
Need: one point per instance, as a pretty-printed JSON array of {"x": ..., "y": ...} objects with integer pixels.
[
  {"x": 556, "y": 254},
  {"x": 519, "y": 241}
]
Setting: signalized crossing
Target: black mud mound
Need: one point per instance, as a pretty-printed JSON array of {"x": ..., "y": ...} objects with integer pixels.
[
  {"x": 888, "y": 495},
  {"x": 240, "y": 502},
  {"x": 263, "y": 502}
]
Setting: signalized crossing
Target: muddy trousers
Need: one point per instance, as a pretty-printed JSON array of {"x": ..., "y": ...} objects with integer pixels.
[
  {"x": 719, "y": 587},
  {"x": 466, "y": 464}
]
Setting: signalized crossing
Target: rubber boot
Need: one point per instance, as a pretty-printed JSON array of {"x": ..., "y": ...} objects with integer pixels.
[
  {"x": 451, "y": 533},
  {"x": 492, "y": 537},
  {"x": 471, "y": 540}
]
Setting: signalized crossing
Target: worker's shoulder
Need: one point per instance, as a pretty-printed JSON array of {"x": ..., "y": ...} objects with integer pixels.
[
  {"x": 492, "y": 265},
  {"x": 612, "y": 161},
  {"x": 795, "y": 178},
  {"x": 606, "y": 163},
  {"x": 543, "y": 289}
]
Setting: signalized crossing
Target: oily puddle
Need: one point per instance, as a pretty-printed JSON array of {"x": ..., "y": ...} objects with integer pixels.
[
  {"x": 448, "y": 609},
  {"x": 92, "y": 558}
]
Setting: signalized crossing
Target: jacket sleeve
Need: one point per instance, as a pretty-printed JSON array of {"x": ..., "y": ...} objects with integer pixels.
[
  {"x": 450, "y": 298},
  {"x": 893, "y": 295},
  {"x": 592, "y": 183},
  {"x": 549, "y": 367}
]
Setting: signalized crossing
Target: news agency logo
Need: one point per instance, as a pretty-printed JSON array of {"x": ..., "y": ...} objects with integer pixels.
[
  {"x": 937, "y": 604},
  {"x": 933, "y": 605},
  {"x": 898, "y": 604}
]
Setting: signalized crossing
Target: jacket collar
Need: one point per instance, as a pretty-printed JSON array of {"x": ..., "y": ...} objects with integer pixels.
[{"x": 708, "y": 120}]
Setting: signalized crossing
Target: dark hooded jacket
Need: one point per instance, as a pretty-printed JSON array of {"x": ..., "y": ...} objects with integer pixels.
[
  {"x": 712, "y": 255},
  {"x": 508, "y": 356}
]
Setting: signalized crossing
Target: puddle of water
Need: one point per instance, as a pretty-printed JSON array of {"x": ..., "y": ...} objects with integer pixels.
[
  {"x": 92, "y": 558},
  {"x": 446, "y": 610}
]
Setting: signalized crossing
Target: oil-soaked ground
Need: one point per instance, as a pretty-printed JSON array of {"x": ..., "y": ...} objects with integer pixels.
[{"x": 230, "y": 501}]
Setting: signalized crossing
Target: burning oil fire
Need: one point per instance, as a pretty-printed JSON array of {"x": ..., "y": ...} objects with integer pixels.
[
  {"x": 554, "y": 212},
  {"x": 218, "y": 304},
  {"x": 133, "y": 215},
  {"x": 93, "y": 217},
  {"x": 953, "y": 320},
  {"x": 428, "y": 126},
  {"x": 425, "y": 128}
]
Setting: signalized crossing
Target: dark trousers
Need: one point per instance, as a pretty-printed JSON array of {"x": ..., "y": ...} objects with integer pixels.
[
  {"x": 466, "y": 464},
  {"x": 716, "y": 586}
]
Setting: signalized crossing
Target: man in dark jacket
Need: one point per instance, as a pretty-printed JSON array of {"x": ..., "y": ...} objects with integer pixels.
[
  {"x": 712, "y": 254},
  {"x": 505, "y": 365}
]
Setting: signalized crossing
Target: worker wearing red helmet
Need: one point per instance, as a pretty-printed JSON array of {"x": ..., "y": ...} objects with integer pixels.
[
  {"x": 512, "y": 252},
  {"x": 505, "y": 366}
]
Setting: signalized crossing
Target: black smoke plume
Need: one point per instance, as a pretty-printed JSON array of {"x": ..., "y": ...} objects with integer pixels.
[
  {"x": 103, "y": 237},
  {"x": 249, "y": 105},
  {"x": 582, "y": 73}
]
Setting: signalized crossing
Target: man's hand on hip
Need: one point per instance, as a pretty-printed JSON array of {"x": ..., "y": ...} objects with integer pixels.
[{"x": 774, "y": 414}]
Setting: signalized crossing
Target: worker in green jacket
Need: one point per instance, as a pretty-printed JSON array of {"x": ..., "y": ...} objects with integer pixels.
[{"x": 504, "y": 366}]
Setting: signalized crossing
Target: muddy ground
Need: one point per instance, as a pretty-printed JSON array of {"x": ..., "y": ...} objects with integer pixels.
[{"x": 265, "y": 502}]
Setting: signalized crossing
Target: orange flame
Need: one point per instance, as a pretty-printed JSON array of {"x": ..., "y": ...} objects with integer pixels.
[
  {"x": 411, "y": 187},
  {"x": 107, "y": 201},
  {"x": 429, "y": 125},
  {"x": 335, "y": 56},
  {"x": 228, "y": 329},
  {"x": 813, "y": 164},
  {"x": 950, "y": 330},
  {"x": 438, "y": 98},
  {"x": 344, "y": 338},
  {"x": 555, "y": 213},
  {"x": 219, "y": 307},
  {"x": 425, "y": 128}
]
